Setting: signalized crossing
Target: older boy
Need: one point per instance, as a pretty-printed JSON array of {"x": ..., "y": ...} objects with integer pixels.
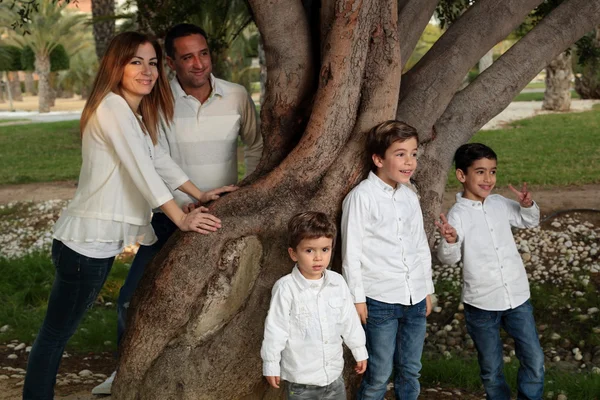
[
  {"x": 311, "y": 312},
  {"x": 495, "y": 290},
  {"x": 387, "y": 262}
]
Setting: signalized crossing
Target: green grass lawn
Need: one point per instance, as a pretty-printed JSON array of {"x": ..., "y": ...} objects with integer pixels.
[
  {"x": 538, "y": 96},
  {"x": 24, "y": 289},
  {"x": 536, "y": 85},
  {"x": 41, "y": 152},
  {"x": 550, "y": 150}
]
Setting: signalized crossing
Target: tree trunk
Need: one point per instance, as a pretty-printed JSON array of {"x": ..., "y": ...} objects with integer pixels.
[
  {"x": 15, "y": 86},
  {"x": 559, "y": 73},
  {"x": 588, "y": 85},
  {"x": 262, "y": 62},
  {"x": 196, "y": 323},
  {"x": 104, "y": 25},
  {"x": 30, "y": 84},
  {"x": 42, "y": 68}
]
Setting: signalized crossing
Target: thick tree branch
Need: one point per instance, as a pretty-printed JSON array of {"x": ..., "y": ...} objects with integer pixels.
[
  {"x": 471, "y": 108},
  {"x": 413, "y": 17},
  {"x": 378, "y": 103},
  {"x": 336, "y": 103},
  {"x": 430, "y": 85},
  {"x": 290, "y": 78}
]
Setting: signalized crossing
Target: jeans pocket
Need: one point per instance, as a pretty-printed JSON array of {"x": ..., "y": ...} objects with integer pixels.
[
  {"x": 295, "y": 389},
  {"x": 57, "y": 247},
  {"x": 378, "y": 312},
  {"x": 478, "y": 317}
]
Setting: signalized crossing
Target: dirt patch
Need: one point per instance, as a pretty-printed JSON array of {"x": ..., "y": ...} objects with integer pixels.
[
  {"x": 549, "y": 199},
  {"x": 64, "y": 190}
]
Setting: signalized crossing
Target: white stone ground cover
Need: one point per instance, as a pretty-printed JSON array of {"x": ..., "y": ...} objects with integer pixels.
[{"x": 565, "y": 255}]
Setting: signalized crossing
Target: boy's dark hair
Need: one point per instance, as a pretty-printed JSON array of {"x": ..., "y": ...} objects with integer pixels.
[
  {"x": 381, "y": 136},
  {"x": 468, "y": 153},
  {"x": 310, "y": 225},
  {"x": 181, "y": 30}
]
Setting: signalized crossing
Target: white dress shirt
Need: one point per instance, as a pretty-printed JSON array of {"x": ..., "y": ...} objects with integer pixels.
[
  {"x": 122, "y": 178},
  {"x": 494, "y": 277},
  {"x": 202, "y": 139},
  {"x": 305, "y": 326},
  {"x": 385, "y": 252}
]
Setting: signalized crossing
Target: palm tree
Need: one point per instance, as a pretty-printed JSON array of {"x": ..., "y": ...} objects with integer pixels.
[{"x": 48, "y": 26}]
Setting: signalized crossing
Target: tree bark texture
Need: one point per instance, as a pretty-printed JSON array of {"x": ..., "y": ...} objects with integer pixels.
[
  {"x": 557, "y": 96},
  {"x": 42, "y": 68},
  {"x": 588, "y": 85},
  {"x": 30, "y": 84},
  {"x": 196, "y": 322},
  {"x": 104, "y": 25},
  {"x": 15, "y": 85}
]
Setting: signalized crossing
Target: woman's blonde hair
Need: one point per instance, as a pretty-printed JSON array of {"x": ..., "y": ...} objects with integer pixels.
[{"x": 120, "y": 51}]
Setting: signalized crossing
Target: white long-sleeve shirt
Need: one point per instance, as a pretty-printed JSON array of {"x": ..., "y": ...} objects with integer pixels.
[
  {"x": 384, "y": 247},
  {"x": 305, "y": 327},
  {"x": 202, "y": 139},
  {"x": 122, "y": 178},
  {"x": 494, "y": 277}
]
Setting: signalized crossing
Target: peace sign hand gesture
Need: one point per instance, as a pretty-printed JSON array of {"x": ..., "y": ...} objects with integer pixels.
[
  {"x": 446, "y": 230},
  {"x": 524, "y": 196}
]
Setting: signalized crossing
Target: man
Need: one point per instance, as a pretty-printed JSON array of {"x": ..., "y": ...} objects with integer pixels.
[{"x": 210, "y": 115}]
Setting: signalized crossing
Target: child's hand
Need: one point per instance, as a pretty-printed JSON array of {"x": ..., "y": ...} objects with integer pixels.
[
  {"x": 524, "y": 196},
  {"x": 428, "y": 305},
  {"x": 273, "y": 381},
  {"x": 361, "y": 309},
  {"x": 361, "y": 367},
  {"x": 446, "y": 230}
]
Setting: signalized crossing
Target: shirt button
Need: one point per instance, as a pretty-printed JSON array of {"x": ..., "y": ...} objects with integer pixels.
[
  {"x": 492, "y": 230},
  {"x": 502, "y": 266},
  {"x": 326, "y": 342},
  {"x": 496, "y": 248},
  {"x": 506, "y": 284}
]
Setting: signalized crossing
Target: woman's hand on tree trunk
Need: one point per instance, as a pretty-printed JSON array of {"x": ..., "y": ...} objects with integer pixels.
[{"x": 199, "y": 221}]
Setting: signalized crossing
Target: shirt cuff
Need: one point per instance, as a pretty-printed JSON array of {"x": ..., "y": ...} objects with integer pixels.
[
  {"x": 176, "y": 182},
  {"x": 360, "y": 353},
  {"x": 359, "y": 295},
  {"x": 271, "y": 368},
  {"x": 430, "y": 287}
]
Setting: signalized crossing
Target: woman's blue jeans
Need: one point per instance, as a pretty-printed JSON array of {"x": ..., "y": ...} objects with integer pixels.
[
  {"x": 77, "y": 283},
  {"x": 484, "y": 328},
  {"x": 395, "y": 336}
]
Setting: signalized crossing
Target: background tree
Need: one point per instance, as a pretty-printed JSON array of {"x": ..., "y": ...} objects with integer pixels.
[
  {"x": 48, "y": 26},
  {"x": 59, "y": 61},
  {"x": 588, "y": 50},
  {"x": 103, "y": 12},
  {"x": 333, "y": 72},
  {"x": 10, "y": 62}
]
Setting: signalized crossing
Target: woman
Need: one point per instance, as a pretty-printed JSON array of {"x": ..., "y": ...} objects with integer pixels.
[{"x": 122, "y": 179}]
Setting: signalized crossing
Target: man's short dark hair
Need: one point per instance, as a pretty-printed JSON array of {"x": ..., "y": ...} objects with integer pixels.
[
  {"x": 310, "y": 225},
  {"x": 468, "y": 153},
  {"x": 382, "y": 136},
  {"x": 181, "y": 30}
]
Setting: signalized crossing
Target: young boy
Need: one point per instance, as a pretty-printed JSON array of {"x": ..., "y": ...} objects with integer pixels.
[
  {"x": 495, "y": 290},
  {"x": 311, "y": 312},
  {"x": 387, "y": 262}
]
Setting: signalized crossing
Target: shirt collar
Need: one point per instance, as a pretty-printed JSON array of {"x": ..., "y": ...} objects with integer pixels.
[
  {"x": 379, "y": 183},
  {"x": 178, "y": 91},
  {"x": 467, "y": 202},
  {"x": 304, "y": 283}
]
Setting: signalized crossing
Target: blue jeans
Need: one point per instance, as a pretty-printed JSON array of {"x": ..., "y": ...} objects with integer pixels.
[
  {"x": 336, "y": 390},
  {"x": 163, "y": 228},
  {"x": 484, "y": 328},
  {"x": 77, "y": 282},
  {"x": 395, "y": 336}
]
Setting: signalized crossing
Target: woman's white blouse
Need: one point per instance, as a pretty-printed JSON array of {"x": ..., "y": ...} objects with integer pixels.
[{"x": 123, "y": 176}]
